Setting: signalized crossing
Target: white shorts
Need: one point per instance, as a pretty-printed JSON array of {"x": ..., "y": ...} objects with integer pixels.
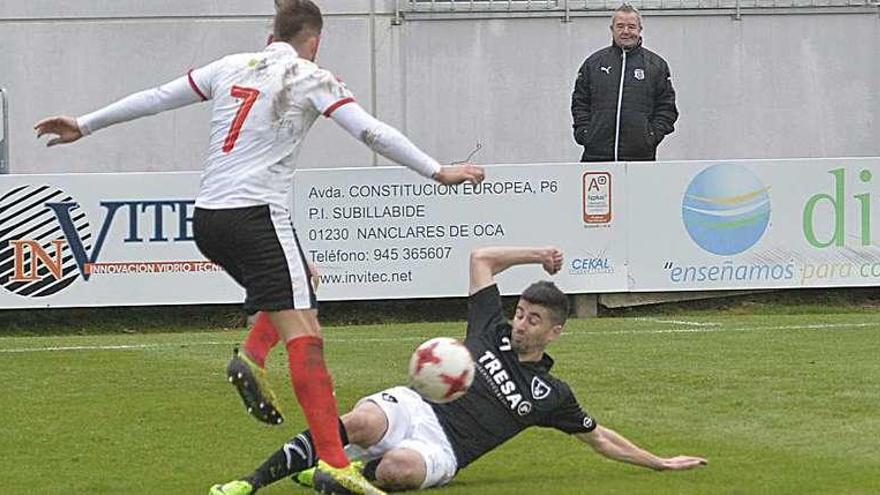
[{"x": 412, "y": 425}]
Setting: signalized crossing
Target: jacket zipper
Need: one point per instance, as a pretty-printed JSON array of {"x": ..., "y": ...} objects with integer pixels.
[{"x": 619, "y": 105}]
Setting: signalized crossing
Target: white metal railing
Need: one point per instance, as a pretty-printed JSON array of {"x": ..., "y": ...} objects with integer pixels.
[
  {"x": 606, "y": 5},
  {"x": 483, "y": 5},
  {"x": 4, "y": 132}
]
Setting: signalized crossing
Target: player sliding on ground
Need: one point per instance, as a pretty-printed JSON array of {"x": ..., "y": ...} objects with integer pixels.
[
  {"x": 264, "y": 104},
  {"x": 403, "y": 442}
]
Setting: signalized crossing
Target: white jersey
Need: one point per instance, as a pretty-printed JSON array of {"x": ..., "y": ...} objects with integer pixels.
[{"x": 264, "y": 105}]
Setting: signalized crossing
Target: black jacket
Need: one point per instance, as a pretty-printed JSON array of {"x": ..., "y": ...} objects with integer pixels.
[{"x": 647, "y": 110}]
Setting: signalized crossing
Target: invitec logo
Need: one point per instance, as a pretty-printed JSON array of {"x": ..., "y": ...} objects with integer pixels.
[
  {"x": 35, "y": 258},
  {"x": 726, "y": 209},
  {"x": 46, "y": 242}
]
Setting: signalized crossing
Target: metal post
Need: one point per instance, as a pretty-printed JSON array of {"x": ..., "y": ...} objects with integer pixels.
[
  {"x": 4, "y": 143},
  {"x": 738, "y": 16},
  {"x": 398, "y": 20},
  {"x": 567, "y": 17},
  {"x": 374, "y": 91}
]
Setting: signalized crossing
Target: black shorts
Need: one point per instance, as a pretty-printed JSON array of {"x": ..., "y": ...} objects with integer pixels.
[{"x": 257, "y": 245}]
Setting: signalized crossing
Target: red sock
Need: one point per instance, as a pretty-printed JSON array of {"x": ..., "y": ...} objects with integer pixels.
[
  {"x": 314, "y": 391},
  {"x": 261, "y": 339}
]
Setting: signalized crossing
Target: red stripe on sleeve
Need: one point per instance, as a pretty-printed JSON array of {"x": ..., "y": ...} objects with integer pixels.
[
  {"x": 332, "y": 108},
  {"x": 195, "y": 88}
]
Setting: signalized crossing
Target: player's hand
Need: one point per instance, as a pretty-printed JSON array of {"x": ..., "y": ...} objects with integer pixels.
[
  {"x": 551, "y": 259},
  {"x": 683, "y": 462},
  {"x": 456, "y": 174},
  {"x": 63, "y": 127}
]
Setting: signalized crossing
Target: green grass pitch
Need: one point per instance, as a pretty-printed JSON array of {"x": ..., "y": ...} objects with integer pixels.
[{"x": 778, "y": 404}]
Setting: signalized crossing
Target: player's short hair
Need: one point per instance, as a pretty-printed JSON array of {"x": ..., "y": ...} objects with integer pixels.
[
  {"x": 626, "y": 8},
  {"x": 546, "y": 294},
  {"x": 293, "y": 18}
]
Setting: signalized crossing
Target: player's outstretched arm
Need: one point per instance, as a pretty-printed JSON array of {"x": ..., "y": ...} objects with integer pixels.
[
  {"x": 486, "y": 262},
  {"x": 174, "y": 94},
  {"x": 392, "y": 144},
  {"x": 613, "y": 445}
]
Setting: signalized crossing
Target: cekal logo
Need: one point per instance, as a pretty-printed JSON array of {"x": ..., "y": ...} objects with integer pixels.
[
  {"x": 46, "y": 241},
  {"x": 726, "y": 209},
  {"x": 591, "y": 264}
]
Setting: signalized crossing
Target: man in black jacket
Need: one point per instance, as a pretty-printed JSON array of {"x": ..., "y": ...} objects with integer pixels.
[{"x": 623, "y": 103}]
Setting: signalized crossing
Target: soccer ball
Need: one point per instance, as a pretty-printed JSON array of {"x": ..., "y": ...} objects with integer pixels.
[{"x": 441, "y": 370}]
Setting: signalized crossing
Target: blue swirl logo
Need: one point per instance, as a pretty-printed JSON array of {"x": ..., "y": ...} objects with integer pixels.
[{"x": 726, "y": 209}]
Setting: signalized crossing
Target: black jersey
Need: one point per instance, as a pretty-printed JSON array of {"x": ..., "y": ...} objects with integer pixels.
[{"x": 507, "y": 396}]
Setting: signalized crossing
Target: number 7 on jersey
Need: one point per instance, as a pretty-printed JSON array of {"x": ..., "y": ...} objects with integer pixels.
[{"x": 249, "y": 97}]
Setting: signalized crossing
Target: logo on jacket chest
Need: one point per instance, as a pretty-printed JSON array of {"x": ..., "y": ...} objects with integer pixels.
[
  {"x": 639, "y": 74},
  {"x": 606, "y": 70},
  {"x": 540, "y": 389}
]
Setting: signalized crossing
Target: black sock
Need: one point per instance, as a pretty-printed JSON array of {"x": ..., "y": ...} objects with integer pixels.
[
  {"x": 296, "y": 455},
  {"x": 370, "y": 469}
]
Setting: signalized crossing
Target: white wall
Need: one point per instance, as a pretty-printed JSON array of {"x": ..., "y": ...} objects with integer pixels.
[
  {"x": 767, "y": 86},
  {"x": 764, "y": 87}
]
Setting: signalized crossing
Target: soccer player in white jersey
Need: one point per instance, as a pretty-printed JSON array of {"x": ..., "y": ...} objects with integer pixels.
[{"x": 263, "y": 106}]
